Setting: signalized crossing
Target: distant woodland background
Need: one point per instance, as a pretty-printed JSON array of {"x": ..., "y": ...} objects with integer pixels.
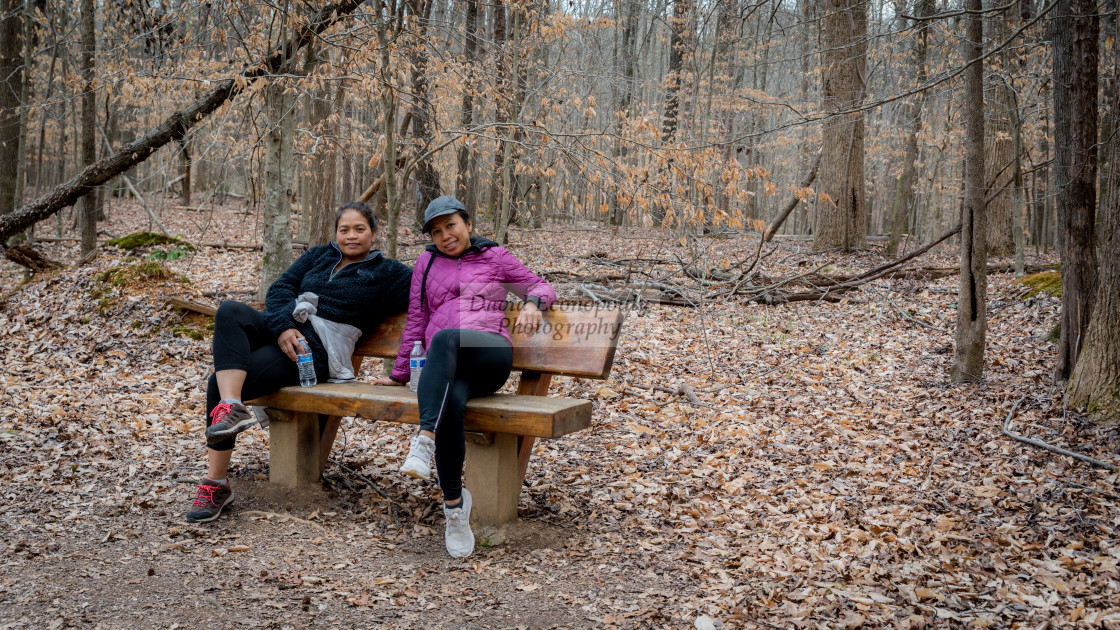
[{"x": 836, "y": 118}]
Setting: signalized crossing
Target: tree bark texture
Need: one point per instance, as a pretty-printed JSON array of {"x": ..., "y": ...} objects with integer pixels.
[
  {"x": 1095, "y": 382},
  {"x": 624, "y": 53},
  {"x": 466, "y": 107},
  {"x": 174, "y": 127},
  {"x": 324, "y": 166},
  {"x": 503, "y": 94},
  {"x": 185, "y": 164},
  {"x": 389, "y": 103},
  {"x": 1076, "y": 28},
  {"x": 999, "y": 147},
  {"x": 679, "y": 40},
  {"x": 427, "y": 177},
  {"x": 972, "y": 297},
  {"x": 843, "y": 223},
  {"x": 727, "y": 50},
  {"x": 88, "y": 221},
  {"x": 904, "y": 194},
  {"x": 279, "y": 156},
  {"x": 11, "y": 79}
]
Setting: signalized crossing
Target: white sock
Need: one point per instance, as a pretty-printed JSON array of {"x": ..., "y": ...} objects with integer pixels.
[{"x": 232, "y": 401}]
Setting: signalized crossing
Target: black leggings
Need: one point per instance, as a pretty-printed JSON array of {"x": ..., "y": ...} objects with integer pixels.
[
  {"x": 461, "y": 364},
  {"x": 242, "y": 341}
]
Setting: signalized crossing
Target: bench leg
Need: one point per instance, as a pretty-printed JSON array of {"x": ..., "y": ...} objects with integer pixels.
[
  {"x": 493, "y": 479},
  {"x": 293, "y": 448},
  {"x": 326, "y": 440}
]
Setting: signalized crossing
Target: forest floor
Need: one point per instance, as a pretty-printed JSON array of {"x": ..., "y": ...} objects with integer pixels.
[{"x": 827, "y": 475}]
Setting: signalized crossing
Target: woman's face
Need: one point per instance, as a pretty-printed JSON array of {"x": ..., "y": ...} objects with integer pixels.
[
  {"x": 451, "y": 234},
  {"x": 353, "y": 235}
]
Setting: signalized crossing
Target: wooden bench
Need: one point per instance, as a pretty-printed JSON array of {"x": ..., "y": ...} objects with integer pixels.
[{"x": 574, "y": 340}]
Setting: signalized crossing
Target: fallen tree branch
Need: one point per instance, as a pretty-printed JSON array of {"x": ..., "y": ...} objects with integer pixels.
[
  {"x": 1049, "y": 447},
  {"x": 863, "y": 278},
  {"x": 781, "y": 218},
  {"x": 174, "y": 128}
]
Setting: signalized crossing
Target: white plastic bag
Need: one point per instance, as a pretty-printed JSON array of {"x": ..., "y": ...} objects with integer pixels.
[{"x": 339, "y": 339}]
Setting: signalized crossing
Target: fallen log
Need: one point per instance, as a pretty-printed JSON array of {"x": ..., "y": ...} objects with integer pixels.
[
  {"x": 174, "y": 127},
  {"x": 27, "y": 256},
  {"x": 205, "y": 309}
]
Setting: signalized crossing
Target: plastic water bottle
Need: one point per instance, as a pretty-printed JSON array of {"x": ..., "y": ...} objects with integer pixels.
[
  {"x": 416, "y": 360},
  {"x": 306, "y": 365}
]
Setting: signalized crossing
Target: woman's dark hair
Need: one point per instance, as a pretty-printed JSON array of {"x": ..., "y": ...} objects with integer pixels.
[
  {"x": 360, "y": 208},
  {"x": 463, "y": 215}
]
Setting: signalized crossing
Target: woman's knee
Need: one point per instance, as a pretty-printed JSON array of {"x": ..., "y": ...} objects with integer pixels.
[
  {"x": 232, "y": 310},
  {"x": 446, "y": 338}
]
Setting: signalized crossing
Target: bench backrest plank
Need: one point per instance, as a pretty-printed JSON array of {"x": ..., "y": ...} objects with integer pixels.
[{"x": 575, "y": 340}]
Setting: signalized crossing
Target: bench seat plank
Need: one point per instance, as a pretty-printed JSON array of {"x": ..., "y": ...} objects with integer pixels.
[{"x": 535, "y": 416}]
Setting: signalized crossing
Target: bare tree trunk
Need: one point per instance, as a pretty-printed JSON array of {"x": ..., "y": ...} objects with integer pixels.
[
  {"x": 466, "y": 108},
  {"x": 11, "y": 80},
  {"x": 727, "y": 50},
  {"x": 422, "y": 114},
  {"x": 680, "y": 41},
  {"x": 502, "y": 106},
  {"x": 25, "y": 97},
  {"x": 904, "y": 195},
  {"x": 185, "y": 164},
  {"x": 89, "y": 121},
  {"x": 508, "y": 177},
  {"x": 1095, "y": 382},
  {"x": 999, "y": 150},
  {"x": 324, "y": 165},
  {"x": 1076, "y": 27},
  {"x": 972, "y": 297},
  {"x": 388, "y": 124},
  {"x": 277, "y": 238},
  {"x": 843, "y": 222},
  {"x": 625, "y": 49}
]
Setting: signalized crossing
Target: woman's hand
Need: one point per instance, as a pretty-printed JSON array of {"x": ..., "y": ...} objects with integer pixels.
[
  {"x": 289, "y": 343},
  {"x": 385, "y": 380},
  {"x": 530, "y": 318}
]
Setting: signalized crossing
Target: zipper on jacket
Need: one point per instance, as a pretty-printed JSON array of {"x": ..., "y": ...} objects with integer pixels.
[{"x": 334, "y": 267}]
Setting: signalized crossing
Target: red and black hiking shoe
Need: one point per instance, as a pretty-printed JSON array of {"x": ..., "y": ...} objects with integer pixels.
[
  {"x": 228, "y": 419},
  {"x": 209, "y": 500}
]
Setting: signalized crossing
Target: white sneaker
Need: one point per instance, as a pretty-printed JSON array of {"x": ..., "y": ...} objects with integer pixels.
[
  {"x": 418, "y": 464},
  {"x": 458, "y": 536}
]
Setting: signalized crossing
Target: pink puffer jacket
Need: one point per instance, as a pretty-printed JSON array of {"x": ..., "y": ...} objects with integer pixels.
[{"x": 466, "y": 292}]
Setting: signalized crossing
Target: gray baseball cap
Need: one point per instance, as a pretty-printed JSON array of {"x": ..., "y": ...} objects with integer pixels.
[{"x": 439, "y": 207}]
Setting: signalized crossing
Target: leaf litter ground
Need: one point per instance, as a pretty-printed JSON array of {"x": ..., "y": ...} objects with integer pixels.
[{"x": 825, "y": 475}]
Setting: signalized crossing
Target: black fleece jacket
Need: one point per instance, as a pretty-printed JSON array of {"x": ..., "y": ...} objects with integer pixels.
[{"x": 360, "y": 294}]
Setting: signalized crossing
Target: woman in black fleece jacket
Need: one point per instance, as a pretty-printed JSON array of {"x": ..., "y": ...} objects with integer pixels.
[{"x": 255, "y": 353}]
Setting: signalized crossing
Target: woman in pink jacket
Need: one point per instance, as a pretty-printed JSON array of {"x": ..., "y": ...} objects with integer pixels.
[{"x": 456, "y": 309}]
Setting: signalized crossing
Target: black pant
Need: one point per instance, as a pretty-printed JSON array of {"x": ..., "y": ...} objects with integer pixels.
[
  {"x": 461, "y": 364},
  {"x": 242, "y": 341}
]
